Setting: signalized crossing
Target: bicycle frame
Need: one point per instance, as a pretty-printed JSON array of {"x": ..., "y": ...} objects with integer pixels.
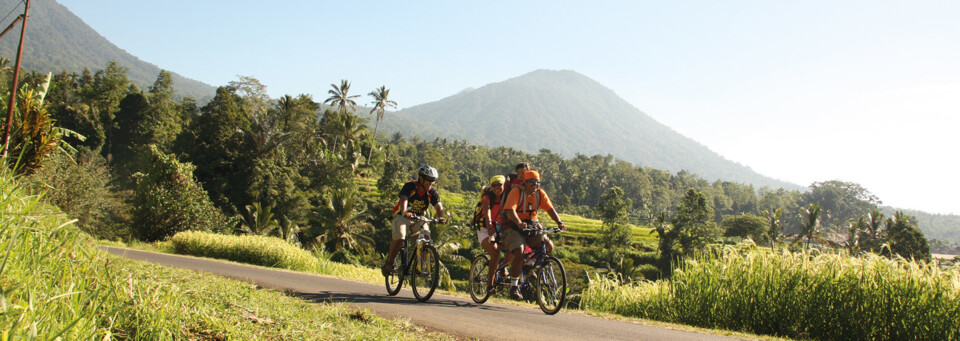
[{"x": 422, "y": 238}]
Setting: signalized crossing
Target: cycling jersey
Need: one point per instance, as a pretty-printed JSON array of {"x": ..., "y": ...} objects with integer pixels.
[{"x": 418, "y": 200}]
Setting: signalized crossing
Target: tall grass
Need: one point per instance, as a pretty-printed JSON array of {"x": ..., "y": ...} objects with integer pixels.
[
  {"x": 800, "y": 295},
  {"x": 267, "y": 251}
]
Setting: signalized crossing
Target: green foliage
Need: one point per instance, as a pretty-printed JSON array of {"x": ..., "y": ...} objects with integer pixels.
[
  {"x": 843, "y": 201},
  {"x": 168, "y": 200},
  {"x": 342, "y": 223},
  {"x": 33, "y": 136},
  {"x": 745, "y": 226},
  {"x": 693, "y": 223},
  {"x": 905, "y": 239},
  {"x": 251, "y": 249},
  {"x": 80, "y": 187}
]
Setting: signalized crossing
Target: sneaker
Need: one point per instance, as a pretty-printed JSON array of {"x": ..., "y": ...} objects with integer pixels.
[
  {"x": 491, "y": 290},
  {"x": 515, "y": 293},
  {"x": 386, "y": 270}
]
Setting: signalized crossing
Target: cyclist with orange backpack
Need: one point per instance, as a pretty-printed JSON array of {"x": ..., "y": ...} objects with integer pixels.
[{"x": 521, "y": 208}]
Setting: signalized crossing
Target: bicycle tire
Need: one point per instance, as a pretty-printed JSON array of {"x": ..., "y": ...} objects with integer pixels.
[
  {"x": 427, "y": 270},
  {"x": 479, "y": 270},
  {"x": 551, "y": 285},
  {"x": 394, "y": 281}
]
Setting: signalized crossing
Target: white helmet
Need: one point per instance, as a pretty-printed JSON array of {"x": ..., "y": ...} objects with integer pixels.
[{"x": 428, "y": 171}]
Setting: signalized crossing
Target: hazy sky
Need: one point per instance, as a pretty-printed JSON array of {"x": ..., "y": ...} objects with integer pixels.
[{"x": 804, "y": 91}]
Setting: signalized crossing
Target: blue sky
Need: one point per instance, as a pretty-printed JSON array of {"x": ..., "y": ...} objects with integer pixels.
[{"x": 804, "y": 91}]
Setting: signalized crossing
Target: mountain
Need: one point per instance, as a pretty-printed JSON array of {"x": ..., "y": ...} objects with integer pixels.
[
  {"x": 567, "y": 113},
  {"x": 57, "y": 40}
]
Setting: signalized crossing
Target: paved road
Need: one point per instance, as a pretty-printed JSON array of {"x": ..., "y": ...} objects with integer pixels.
[{"x": 458, "y": 316}]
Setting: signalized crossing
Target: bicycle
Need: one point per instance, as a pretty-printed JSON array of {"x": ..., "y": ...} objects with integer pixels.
[
  {"x": 423, "y": 263},
  {"x": 543, "y": 271}
]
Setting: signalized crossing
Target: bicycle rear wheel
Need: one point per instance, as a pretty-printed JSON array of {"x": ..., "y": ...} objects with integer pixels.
[
  {"x": 425, "y": 273},
  {"x": 394, "y": 280},
  {"x": 551, "y": 285},
  {"x": 479, "y": 270}
]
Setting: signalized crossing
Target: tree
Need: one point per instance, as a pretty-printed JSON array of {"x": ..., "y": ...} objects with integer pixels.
[
  {"x": 774, "y": 228},
  {"x": 905, "y": 239},
  {"x": 168, "y": 200},
  {"x": 694, "y": 222},
  {"x": 616, "y": 233},
  {"x": 342, "y": 223},
  {"x": 381, "y": 102},
  {"x": 257, "y": 220},
  {"x": 811, "y": 229},
  {"x": 745, "y": 226},
  {"x": 340, "y": 98},
  {"x": 843, "y": 201}
]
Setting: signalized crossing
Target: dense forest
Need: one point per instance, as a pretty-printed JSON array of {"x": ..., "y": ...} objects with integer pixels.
[{"x": 135, "y": 164}]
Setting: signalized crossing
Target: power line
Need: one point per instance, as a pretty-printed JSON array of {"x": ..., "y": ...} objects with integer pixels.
[{"x": 15, "y": 7}]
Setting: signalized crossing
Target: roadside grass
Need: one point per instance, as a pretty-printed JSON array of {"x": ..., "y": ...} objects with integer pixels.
[
  {"x": 55, "y": 285},
  {"x": 807, "y": 295}
]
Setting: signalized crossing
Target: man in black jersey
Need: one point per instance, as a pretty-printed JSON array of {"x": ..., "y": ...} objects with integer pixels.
[{"x": 415, "y": 196}]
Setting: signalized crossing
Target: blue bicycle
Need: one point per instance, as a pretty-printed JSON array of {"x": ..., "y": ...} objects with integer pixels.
[{"x": 542, "y": 274}]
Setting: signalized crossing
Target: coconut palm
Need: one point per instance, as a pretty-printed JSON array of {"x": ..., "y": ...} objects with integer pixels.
[
  {"x": 257, "y": 220},
  {"x": 342, "y": 222},
  {"x": 340, "y": 98},
  {"x": 811, "y": 228},
  {"x": 381, "y": 102}
]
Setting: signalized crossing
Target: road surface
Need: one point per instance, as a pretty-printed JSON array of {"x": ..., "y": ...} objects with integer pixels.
[{"x": 453, "y": 315}]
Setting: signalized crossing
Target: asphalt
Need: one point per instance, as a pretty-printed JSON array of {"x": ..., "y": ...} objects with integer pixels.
[{"x": 458, "y": 316}]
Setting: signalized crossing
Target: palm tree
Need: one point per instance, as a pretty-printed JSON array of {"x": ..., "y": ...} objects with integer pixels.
[
  {"x": 342, "y": 222},
  {"x": 340, "y": 97},
  {"x": 774, "y": 227},
  {"x": 257, "y": 220},
  {"x": 380, "y": 103},
  {"x": 810, "y": 229}
]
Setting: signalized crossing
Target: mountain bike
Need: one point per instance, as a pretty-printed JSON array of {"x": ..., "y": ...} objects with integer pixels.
[
  {"x": 422, "y": 265},
  {"x": 541, "y": 272}
]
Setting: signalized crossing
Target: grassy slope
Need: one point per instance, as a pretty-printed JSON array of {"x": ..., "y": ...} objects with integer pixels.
[{"x": 55, "y": 283}]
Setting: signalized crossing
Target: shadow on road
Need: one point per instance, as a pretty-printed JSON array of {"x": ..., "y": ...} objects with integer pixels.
[{"x": 328, "y": 296}]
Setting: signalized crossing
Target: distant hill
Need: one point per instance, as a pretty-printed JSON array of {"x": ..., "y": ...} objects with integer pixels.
[
  {"x": 567, "y": 113},
  {"x": 58, "y": 40}
]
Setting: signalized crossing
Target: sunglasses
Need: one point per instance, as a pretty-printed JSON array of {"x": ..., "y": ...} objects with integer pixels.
[
  {"x": 533, "y": 181},
  {"x": 429, "y": 179},
  {"x": 497, "y": 185}
]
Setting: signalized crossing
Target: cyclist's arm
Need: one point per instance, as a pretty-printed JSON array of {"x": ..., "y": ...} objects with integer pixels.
[
  {"x": 485, "y": 208},
  {"x": 402, "y": 205},
  {"x": 556, "y": 217},
  {"x": 439, "y": 208},
  {"x": 512, "y": 214}
]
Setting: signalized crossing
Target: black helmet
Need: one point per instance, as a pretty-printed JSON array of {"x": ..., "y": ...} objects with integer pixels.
[{"x": 428, "y": 171}]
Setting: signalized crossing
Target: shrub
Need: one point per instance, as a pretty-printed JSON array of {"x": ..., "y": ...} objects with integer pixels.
[
  {"x": 256, "y": 250},
  {"x": 168, "y": 200},
  {"x": 80, "y": 188}
]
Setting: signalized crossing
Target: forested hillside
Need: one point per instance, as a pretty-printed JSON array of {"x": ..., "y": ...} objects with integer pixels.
[
  {"x": 568, "y": 113},
  {"x": 57, "y": 40}
]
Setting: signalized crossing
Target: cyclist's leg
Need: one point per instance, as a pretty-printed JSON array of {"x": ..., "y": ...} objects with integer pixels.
[
  {"x": 513, "y": 241},
  {"x": 399, "y": 234},
  {"x": 491, "y": 248}
]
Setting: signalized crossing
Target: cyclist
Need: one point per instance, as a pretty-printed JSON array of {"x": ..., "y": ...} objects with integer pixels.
[
  {"x": 415, "y": 196},
  {"x": 487, "y": 230},
  {"x": 521, "y": 208}
]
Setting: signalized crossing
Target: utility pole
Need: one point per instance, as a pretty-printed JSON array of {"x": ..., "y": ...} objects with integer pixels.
[{"x": 16, "y": 78}]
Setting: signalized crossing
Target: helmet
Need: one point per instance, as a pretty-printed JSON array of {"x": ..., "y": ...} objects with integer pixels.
[
  {"x": 428, "y": 171},
  {"x": 498, "y": 178}
]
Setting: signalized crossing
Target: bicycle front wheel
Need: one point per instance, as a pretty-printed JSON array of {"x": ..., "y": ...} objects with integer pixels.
[
  {"x": 425, "y": 273},
  {"x": 479, "y": 270},
  {"x": 551, "y": 286},
  {"x": 394, "y": 280}
]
